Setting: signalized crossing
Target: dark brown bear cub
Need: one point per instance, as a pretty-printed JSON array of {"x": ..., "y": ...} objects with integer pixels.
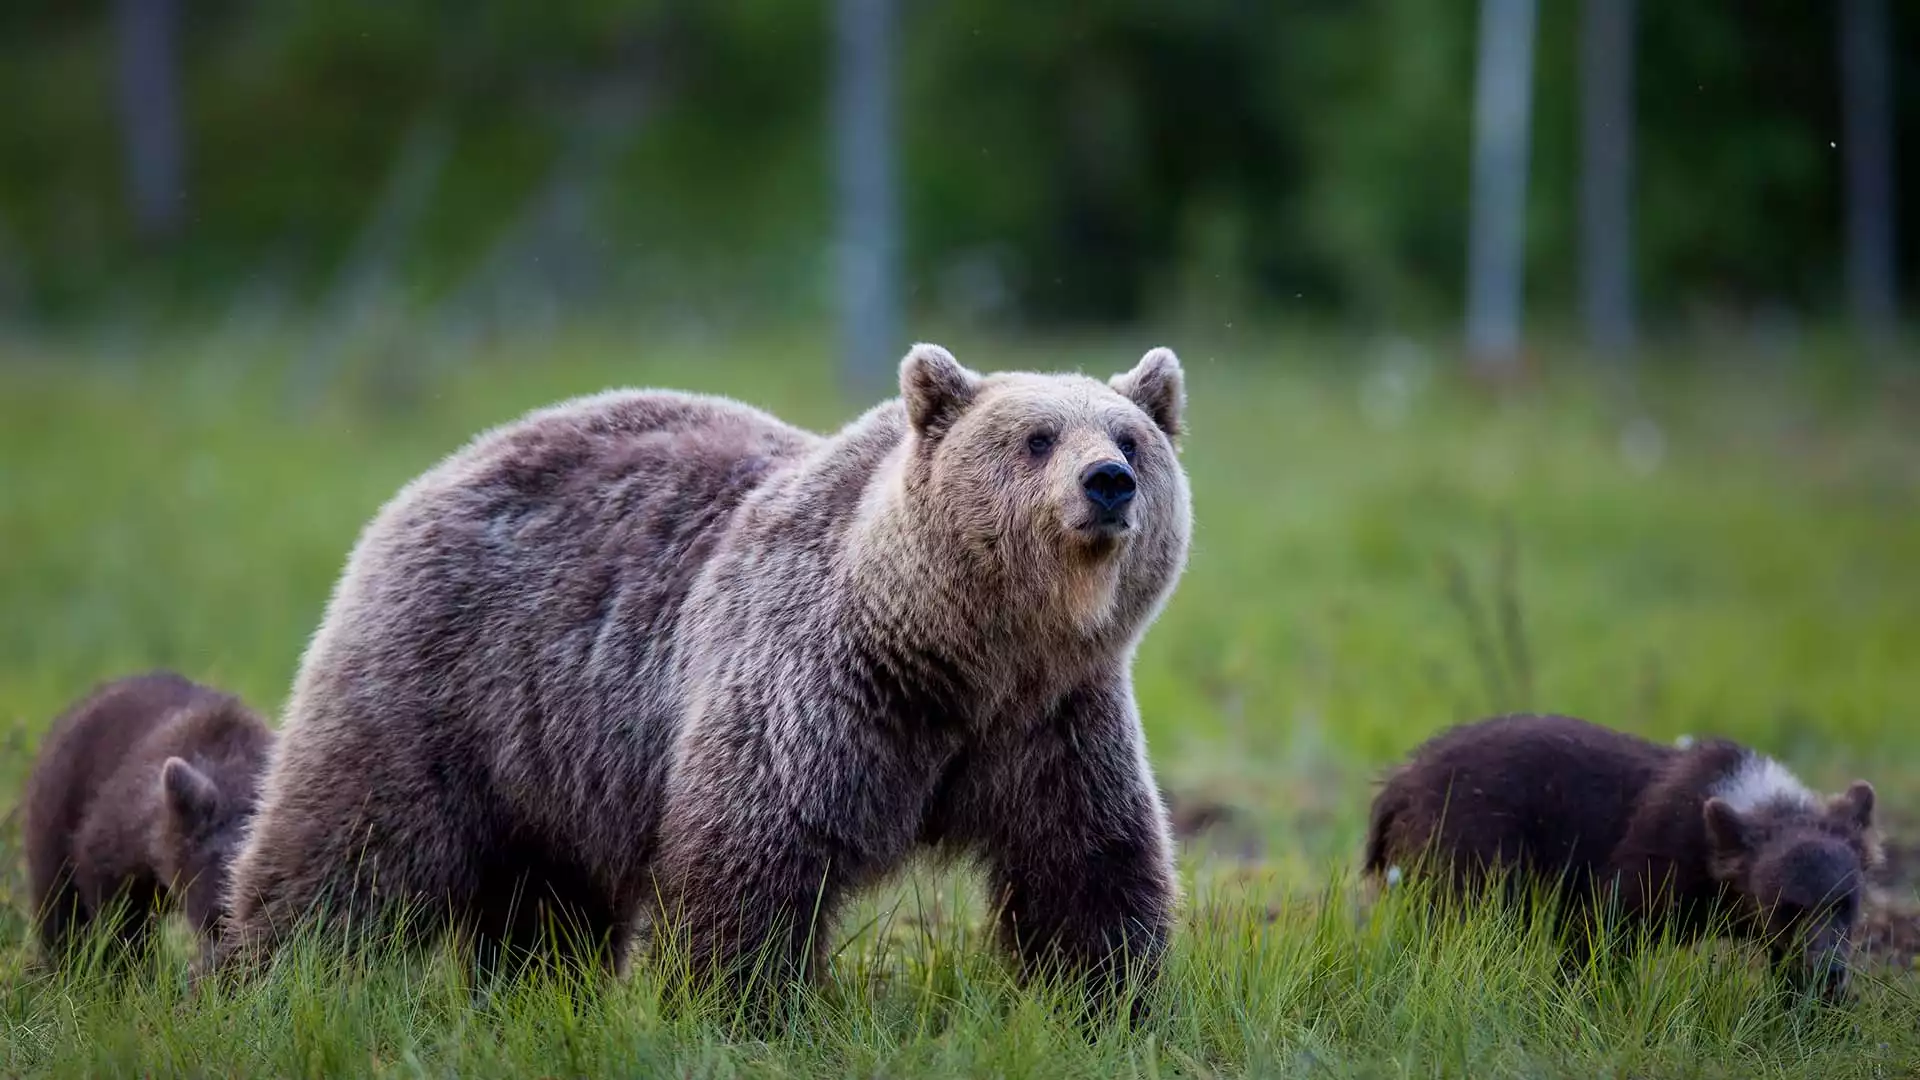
[
  {"x": 141, "y": 794},
  {"x": 1711, "y": 836}
]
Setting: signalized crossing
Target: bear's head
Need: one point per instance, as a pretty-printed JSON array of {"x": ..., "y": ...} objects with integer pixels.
[
  {"x": 1067, "y": 489},
  {"x": 201, "y": 827},
  {"x": 1799, "y": 868}
]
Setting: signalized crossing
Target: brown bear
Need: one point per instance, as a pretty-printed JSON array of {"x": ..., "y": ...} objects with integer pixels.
[
  {"x": 656, "y": 654},
  {"x": 1712, "y": 836},
  {"x": 139, "y": 798}
]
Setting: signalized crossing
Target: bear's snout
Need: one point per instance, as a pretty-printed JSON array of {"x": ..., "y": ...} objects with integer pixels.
[
  {"x": 1827, "y": 962},
  {"x": 1820, "y": 963},
  {"x": 1834, "y": 986},
  {"x": 1110, "y": 487}
]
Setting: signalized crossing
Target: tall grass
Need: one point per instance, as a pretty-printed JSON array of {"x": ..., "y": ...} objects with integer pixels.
[
  {"x": 1314, "y": 985},
  {"x": 1379, "y": 552}
]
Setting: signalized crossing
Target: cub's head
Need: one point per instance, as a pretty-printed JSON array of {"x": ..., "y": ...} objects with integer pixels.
[
  {"x": 201, "y": 827},
  {"x": 1801, "y": 864},
  {"x": 1066, "y": 485}
]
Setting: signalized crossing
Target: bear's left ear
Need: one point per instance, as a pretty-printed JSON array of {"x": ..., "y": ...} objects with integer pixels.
[
  {"x": 1854, "y": 806},
  {"x": 936, "y": 389},
  {"x": 191, "y": 796},
  {"x": 1158, "y": 387}
]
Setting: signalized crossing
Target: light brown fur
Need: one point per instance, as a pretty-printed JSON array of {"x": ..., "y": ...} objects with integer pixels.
[{"x": 655, "y": 646}]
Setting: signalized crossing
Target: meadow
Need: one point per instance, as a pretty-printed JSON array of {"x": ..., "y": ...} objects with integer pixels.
[{"x": 1382, "y": 548}]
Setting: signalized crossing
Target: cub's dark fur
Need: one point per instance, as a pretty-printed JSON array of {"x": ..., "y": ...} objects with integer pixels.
[
  {"x": 140, "y": 794},
  {"x": 650, "y": 650},
  {"x": 1711, "y": 835}
]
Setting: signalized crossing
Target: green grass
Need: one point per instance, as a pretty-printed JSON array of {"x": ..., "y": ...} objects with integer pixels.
[{"x": 1739, "y": 554}]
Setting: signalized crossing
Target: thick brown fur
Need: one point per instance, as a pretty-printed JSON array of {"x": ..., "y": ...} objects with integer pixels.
[
  {"x": 657, "y": 652},
  {"x": 1711, "y": 836},
  {"x": 139, "y": 798}
]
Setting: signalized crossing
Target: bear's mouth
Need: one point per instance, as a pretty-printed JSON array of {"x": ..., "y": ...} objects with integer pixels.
[{"x": 1105, "y": 529}]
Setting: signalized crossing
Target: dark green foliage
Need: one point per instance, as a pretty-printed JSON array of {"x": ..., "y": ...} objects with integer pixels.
[{"x": 1078, "y": 162}]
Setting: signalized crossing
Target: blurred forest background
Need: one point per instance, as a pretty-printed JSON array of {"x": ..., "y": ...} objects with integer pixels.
[{"x": 1670, "y": 168}]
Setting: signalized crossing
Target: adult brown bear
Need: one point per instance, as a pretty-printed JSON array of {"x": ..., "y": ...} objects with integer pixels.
[{"x": 654, "y": 645}]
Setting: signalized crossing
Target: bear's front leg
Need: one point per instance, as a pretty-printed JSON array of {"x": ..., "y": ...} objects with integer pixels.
[
  {"x": 766, "y": 826},
  {"x": 775, "y": 808},
  {"x": 1076, "y": 840},
  {"x": 749, "y": 909}
]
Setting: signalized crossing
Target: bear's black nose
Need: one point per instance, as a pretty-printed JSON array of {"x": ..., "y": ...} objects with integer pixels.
[{"x": 1109, "y": 484}]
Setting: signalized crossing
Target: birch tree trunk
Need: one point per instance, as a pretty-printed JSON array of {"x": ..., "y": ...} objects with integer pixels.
[
  {"x": 1606, "y": 173},
  {"x": 1503, "y": 105},
  {"x": 868, "y": 243},
  {"x": 1866, "y": 91},
  {"x": 150, "y": 115}
]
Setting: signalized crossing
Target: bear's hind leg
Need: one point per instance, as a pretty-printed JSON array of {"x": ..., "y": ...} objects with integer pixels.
[{"x": 351, "y": 872}]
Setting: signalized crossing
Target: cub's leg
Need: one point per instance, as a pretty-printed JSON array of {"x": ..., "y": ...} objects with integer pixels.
[
  {"x": 119, "y": 911},
  {"x": 59, "y": 916}
]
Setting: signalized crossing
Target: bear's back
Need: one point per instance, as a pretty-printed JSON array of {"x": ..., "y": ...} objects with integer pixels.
[
  {"x": 514, "y": 607},
  {"x": 1550, "y": 793}
]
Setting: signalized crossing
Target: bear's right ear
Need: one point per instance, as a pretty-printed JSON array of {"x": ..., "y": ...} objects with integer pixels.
[
  {"x": 935, "y": 388},
  {"x": 1157, "y": 386},
  {"x": 1854, "y": 806},
  {"x": 1726, "y": 829},
  {"x": 190, "y": 795}
]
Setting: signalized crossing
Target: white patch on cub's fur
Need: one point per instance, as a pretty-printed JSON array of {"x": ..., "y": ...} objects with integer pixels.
[
  {"x": 1394, "y": 874},
  {"x": 1760, "y": 780}
]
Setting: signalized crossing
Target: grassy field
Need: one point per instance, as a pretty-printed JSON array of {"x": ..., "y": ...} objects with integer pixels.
[{"x": 1379, "y": 551}]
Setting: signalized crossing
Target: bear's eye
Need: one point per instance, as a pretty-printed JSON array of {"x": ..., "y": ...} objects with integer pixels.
[
  {"x": 1039, "y": 443},
  {"x": 1128, "y": 448}
]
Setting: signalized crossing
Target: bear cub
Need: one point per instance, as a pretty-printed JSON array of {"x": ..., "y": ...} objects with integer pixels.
[
  {"x": 141, "y": 794},
  {"x": 1712, "y": 836}
]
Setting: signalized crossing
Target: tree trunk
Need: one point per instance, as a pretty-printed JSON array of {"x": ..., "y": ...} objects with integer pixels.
[
  {"x": 1503, "y": 103},
  {"x": 869, "y": 219},
  {"x": 1606, "y": 173},
  {"x": 150, "y": 115},
  {"x": 1866, "y": 85}
]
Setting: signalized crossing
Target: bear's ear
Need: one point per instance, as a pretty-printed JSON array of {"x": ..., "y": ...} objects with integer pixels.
[
  {"x": 1158, "y": 387},
  {"x": 935, "y": 388},
  {"x": 190, "y": 795},
  {"x": 1726, "y": 829},
  {"x": 1854, "y": 806}
]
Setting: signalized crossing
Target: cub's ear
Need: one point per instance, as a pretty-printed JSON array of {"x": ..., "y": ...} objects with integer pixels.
[
  {"x": 190, "y": 795},
  {"x": 1854, "y": 806},
  {"x": 1157, "y": 385},
  {"x": 1726, "y": 829},
  {"x": 935, "y": 388}
]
